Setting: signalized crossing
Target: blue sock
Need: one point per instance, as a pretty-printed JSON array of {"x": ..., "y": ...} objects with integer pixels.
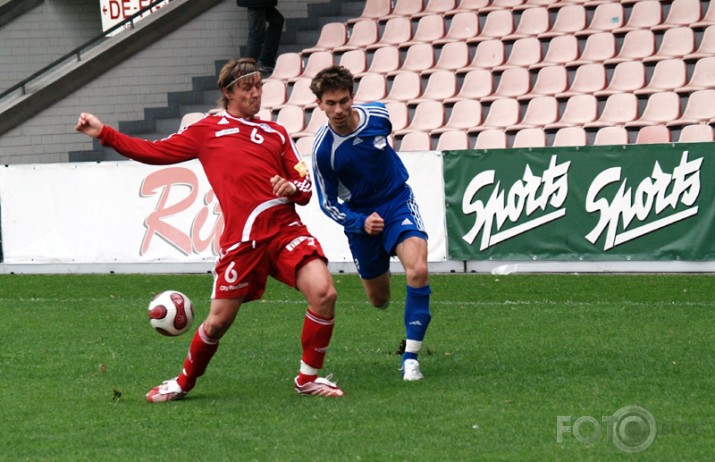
[{"x": 417, "y": 318}]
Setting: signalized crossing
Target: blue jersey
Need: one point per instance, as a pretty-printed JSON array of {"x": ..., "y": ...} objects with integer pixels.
[{"x": 356, "y": 173}]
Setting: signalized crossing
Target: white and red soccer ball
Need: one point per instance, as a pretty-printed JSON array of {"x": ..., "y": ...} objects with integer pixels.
[{"x": 171, "y": 313}]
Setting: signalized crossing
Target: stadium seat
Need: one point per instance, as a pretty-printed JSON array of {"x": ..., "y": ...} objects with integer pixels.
[
  {"x": 570, "y": 136},
  {"x": 619, "y": 109},
  {"x": 300, "y": 95},
  {"x": 275, "y": 93},
  {"x": 292, "y": 118},
  {"x": 355, "y": 61},
  {"x": 465, "y": 115},
  {"x": 415, "y": 141},
  {"x": 440, "y": 86},
  {"x": 579, "y": 110},
  {"x": 491, "y": 139},
  {"x": 668, "y": 75},
  {"x": 471, "y": 5},
  {"x": 645, "y": 14},
  {"x": 190, "y": 118},
  {"x": 606, "y": 18},
  {"x": 637, "y": 44},
  {"x": 428, "y": 116},
  {"x": 438, "y": 7},
  {"x": 316, "y": 62},
  {"x": 406, "y": 86},
  {"x": 659, "y": 109},
  {"x": 627, "y": 76},
  {"x": 476, "y": 84},
  {"x": 524, "y": 52},
  {"x": 399, "y": 115},
  {"x": 463, "y": 26},
  {"x": 700, "y": 108},
  {"x": 429, "y": 29},
  {"x": 700, "y": 133},
  {"x": 419, "y": 57},
  {"x": 288, "y": 66},
  {"x": 598, "y": 48},
  {"x": 332, "y": 35},
  {"x": 371, "y": 87},
  {"x": 487, "y": 55},
  {"x": 398, "y": 30},
  {"x": 530, "y": 138},
  {"x": 537, "y": 3},
  {"x": 569, "y": 20},
  {"x": 385, "y": 60},
  {"x": 532, "y": 22},
  {"x": 588, "y": 78},
  {"x": 265, "y": 114},
  {"x": 513, "y": 82},
  {"x": 540, "y": 111},
  {"x": 305, "y": 145},
  {"x": 374, "y": 9},
  {"x": 550, "y": 81},
  {"x": 703, "y": 76},
  {"x": 610, "y": 135},
  {"x": 681, "y": 13},
  {"x": 497, "y": 24},
  {"x": 502, "y": 113},
  {"x": 676, "y": 43},
  {"x": 362, "y": 34},
  {"x": 561, "y": 50},
  {"x": 405, "y": 8},
  {"x": 653, "y": 134},
  {"x": 317, "y": 119},
  {"x": 707, "y": 19},
  {"x": 504, "y": 4},
  {"x": 452, "y": 57},
  {"x": 452, "y": 139},
  {"x": 706, "y": 47}
]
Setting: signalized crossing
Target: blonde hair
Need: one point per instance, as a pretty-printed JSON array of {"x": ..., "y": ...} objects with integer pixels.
[{"x": 233, "y": 70}]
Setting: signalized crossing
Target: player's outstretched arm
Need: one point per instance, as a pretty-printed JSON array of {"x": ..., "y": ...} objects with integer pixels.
[{"x": 89, "y": 124}]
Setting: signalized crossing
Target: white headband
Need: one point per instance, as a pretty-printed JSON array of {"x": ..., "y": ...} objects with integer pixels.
[{"x": 241, "y": 77}]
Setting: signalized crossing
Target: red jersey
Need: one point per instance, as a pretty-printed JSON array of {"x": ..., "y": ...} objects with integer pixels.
[{"x": 239, "y": 157}]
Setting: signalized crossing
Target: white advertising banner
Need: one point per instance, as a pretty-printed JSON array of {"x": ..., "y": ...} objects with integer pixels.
[
  {"x": 116, "y": 11},
  {"x": 127, "y": 212}
]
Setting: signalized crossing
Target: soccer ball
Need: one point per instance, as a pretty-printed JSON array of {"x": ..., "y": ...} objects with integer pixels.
[{"x": 171, "y": 313}]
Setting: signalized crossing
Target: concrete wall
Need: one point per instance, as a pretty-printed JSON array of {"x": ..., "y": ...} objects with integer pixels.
[{"x": 139, "y": 82}]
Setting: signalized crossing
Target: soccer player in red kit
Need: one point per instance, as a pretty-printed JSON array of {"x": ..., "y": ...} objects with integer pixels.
[{"x": 258, "y": 177}]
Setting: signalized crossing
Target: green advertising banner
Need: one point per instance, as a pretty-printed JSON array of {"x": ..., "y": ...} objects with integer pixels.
[{"x": 634, "y": 202}]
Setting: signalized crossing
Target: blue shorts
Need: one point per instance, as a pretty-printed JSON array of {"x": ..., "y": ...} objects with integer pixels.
[{"x": 402, "y": 220}]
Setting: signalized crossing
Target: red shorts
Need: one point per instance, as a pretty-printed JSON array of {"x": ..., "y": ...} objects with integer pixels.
[{"x": 243, "y": 272}]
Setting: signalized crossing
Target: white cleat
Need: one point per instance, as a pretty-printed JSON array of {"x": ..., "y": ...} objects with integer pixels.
[
  {"x": 319, "y": 387},
  {"x": 411, "y": 371},
  {"x": 169, "y": 390}
]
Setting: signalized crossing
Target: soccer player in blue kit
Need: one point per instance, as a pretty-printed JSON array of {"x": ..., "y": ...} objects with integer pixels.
[{"x": 361, "y": 184}]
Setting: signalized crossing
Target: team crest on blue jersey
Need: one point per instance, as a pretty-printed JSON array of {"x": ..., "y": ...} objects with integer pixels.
[{"x": 380, "y": 142}]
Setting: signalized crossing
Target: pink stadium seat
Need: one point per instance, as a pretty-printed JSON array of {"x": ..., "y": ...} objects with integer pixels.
[
  {"x": 701, "y": 133},
  {"x": 569, "y": 20},
  {"x": 491, "y": 139},
  {"x": 487, "y": 55},
  {"x": 466, "y": 115},
  {"x": 317, "y": 119},
  {"x": 428, "y": 116},
  {"x": 681, "y": 13},
  {"x": 703, "y": 76},
  {"x": 375, "y": 9},
  {"x": 292, "y": 118},
  {"x": 627, "y": 76},
  {"x": 707, "y": 19},
  {"x": 497, "y": 24},
  {"x": 419, "y": 57},
  {"x": 619, "y": 109},
  {"x": 288, "y": 66},
  {"x": 190, "y": 118},
  {"x": 550, "y": 81},
  {"x": 700, "y": 108},
  {"x": 440, "y": 86},
  {"x": 637, "y": 44},
  {"x": 371, "y": 87},
  {"x": 668, "y": 75},
  {"x": 653, "y": 134},
  {"x": 405, "y": 8},
  {"x": 610, "y": 135},
  {"x": 300, "y": 95},
  {"x": 570, "y": 136},
  {"x": 532, "y": 22},
  {"x": 463, "y": 26},
  {"x": 429, "y": 28},
  {"x": 476, "y": 84},
  {"x": 504, "y": 4},
  {"x": 707, "y": 45},
  {"x": 471, "y": 5},
  {"x": 275, "y": 93},
  {"x": 385, "y": 60},
  {"x": 502, "y": 113},
  {"x": 406, "y": 86},
  {"x": 514, "y": 82},
  {"x": 561, "y": 50},
  {"x": 659, "y": 109},
  {"x": 676, "y": 43},
  {"x": 540, "y": 111},
  {"x": 598, "y": 48},
  {"x": 355, "y": 61},
  {"x": 265, "y": 114},
  {"x": 332, "y": 35},
  {"x": 606, "y": 18},
  {"x": 579, "y": 110},
  {"x": 398, "y": 30},
  {"x": 588, "y": 78},
  {"x": 524, "y": 52},
  {"x": 537, "y": 3},
  {"x": 645, "y": 14},
  {"x": 530, "y": 138},
  {"x": 399, "y": 115},
  {"x": 438, "y": 7},
  {"x": 452, "y": 57},
  {"x": 316, "y": 62},
  {"x": 305, "y": 145},
  {"x": 416, "y": 141},
  {"x": 452, "y": 140},
  {"x": 364, "y": 32}
]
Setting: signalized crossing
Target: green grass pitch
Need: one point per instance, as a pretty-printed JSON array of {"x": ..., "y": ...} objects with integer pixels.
[{"x": 520, "y": 367}]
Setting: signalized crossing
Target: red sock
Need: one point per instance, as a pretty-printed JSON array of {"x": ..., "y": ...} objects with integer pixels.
[
  {"x": 315, "y": 339},
  {"x": 201, "y": 351}
]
